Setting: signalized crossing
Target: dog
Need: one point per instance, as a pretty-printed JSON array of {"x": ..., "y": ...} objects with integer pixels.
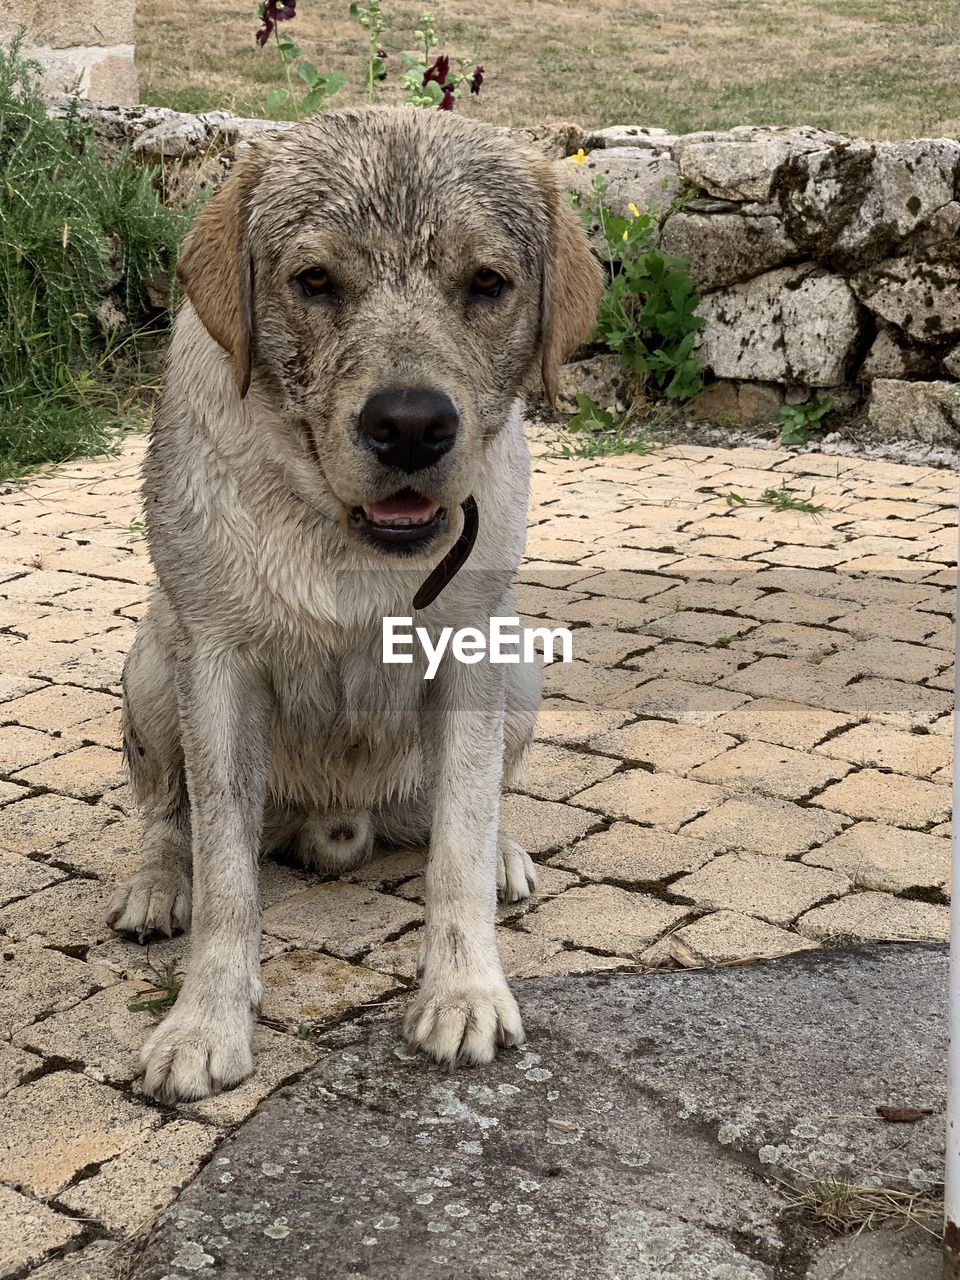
[{"x": 368, "y": 297}]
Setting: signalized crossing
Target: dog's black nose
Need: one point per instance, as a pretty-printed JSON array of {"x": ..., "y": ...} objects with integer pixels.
[{"x": 408, "y": 428}]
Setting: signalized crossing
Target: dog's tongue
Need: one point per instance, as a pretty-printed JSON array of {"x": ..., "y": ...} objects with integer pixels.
[{"x": 402, "y": 508}]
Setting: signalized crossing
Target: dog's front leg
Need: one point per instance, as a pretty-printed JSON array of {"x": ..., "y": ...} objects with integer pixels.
[
  {"x": 204, "y": 1043},
  {"x": 464, "y": 1008}
]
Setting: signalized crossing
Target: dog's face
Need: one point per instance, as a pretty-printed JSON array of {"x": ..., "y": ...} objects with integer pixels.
[{"x": 392, "y": 279}]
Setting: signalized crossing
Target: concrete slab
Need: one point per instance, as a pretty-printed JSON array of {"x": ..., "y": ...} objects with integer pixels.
[{"x": 642, "y": 1134}]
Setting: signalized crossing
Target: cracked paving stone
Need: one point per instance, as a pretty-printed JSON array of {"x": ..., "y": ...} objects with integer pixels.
[
  {"x": 920, "y": 754},
  {"x": 302, "y": 986},
  {"x": 15, "y": 1066},
  {"x": 69, "y": 914},
  {"x": 759, "y": 824},
  {"x": 888, "y": 797},
  {"x": 277, "y": 1058},
  {"x": 127, "y": 1193},
  {"x": 20, "y": 877},
  {"x": 101, "y": 1033},
  {"x": 664, "y": 746},
  {"x": 604, "y": 918},
  {"x": 541, "y": 825},
  {"x": 555, "y": 773},
  {"x": 770, "y": 769},
  {"x": 788, "y": 724},
  {"x": 682, "y": 701},
  {"x": 758, "y": 886},
  {"x": 53, "y": 1127},
  {"x": 339, "y": 917},
  {"x": 29, "y": 1231},
  {"x": 723, "y": 937},
  {"x": 635, "y": 855},
  {"x": 35, "y": 981},
  {"x": 876, "y": 856},
  {"x": 877, "y": 917},
  {"x": 652, "y": 798}
]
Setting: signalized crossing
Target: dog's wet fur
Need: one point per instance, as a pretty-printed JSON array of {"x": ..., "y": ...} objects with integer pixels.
[{"x": 348, "y": 257}]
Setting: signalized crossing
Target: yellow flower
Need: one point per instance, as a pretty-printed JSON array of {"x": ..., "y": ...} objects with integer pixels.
[
  {"x": 580, "y": 157},
  {"x": 634, "y": 211},
  {"x": 626, "y": 234}
]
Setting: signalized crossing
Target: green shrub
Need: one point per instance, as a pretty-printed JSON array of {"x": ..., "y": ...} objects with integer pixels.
[
  {"x": 648, "y": 314},
  {"x": 74, "y": 228}
]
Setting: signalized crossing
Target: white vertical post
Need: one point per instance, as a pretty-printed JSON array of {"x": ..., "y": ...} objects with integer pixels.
[{"x": 951, "y": 1238}]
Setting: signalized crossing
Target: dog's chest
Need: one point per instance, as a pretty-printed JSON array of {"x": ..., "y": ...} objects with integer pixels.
[{"x": 346, "y": 730}]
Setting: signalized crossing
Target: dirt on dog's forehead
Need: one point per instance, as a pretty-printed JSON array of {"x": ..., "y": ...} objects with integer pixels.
[{"x": 408, "y": 172}]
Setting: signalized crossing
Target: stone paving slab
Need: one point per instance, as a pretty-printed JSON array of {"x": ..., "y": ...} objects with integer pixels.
[
  {"x": 749, "y": 757},
  {"x": 655, "y": 1126}
]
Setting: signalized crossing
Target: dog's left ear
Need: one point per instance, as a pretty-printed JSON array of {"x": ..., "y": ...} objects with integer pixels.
[
  {"x": 572, "y": 289},
  {"x": 216, "y": 270}
]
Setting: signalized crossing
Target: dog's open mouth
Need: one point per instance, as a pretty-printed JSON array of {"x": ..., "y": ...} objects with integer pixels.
[{"x": 401, "y": 520}]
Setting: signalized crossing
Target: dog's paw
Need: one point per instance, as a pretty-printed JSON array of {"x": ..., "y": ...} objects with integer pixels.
[
  {"x": 153, "y": 902},
  {"x": 516, "y": 872},
  {"x": 196, "y": 1052},
  {"x": 463, "y": 1025}
]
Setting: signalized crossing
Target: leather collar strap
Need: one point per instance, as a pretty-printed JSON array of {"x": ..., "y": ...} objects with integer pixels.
[{"x": 454, "y": 560}]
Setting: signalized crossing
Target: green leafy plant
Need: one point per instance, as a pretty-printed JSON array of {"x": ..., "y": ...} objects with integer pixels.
[
  {"x": 429, "y": 80},
  {"x": 799, "y": 421},
  {"x": 78, "y": 231},
  {"x": 315, "y": 86},
  {"x": 782, "y": 499},
  {"x": 370, "y": 18},
  {"x": 597, "y": 432},
  {"x": 161, "y": 994},
  {"x": 648, "y": 314}
]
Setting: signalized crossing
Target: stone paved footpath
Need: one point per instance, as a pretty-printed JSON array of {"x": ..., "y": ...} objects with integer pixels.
[{"x": 749, "y": 756}]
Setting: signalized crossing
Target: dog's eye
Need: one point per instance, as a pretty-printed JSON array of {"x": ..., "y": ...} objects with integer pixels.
[
  {"x": 487, "y": 283},
  {"x": 314, "y": 282}
]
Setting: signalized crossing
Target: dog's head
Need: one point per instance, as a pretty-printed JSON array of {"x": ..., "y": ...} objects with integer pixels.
[{"x": 393, "y": 280}]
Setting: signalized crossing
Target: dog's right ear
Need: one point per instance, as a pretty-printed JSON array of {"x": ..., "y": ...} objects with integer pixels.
[{"x": 216, "y": 270}]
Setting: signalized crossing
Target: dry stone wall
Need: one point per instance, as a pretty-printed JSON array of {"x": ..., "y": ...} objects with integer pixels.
[
  {"x": 83, "y": 46},
  {"x": 826, "y": 265}
]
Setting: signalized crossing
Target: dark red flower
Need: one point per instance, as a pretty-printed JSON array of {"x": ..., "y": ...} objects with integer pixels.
[
  {"x": 439, "y": 71},
  {"x": 274, "y": 11},
  {"x": 447, "y": 101},
  {"x": 476, "y": 80}
]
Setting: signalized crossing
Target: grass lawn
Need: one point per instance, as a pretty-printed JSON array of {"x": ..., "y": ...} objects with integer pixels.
[{"x": 877, "y": 68}]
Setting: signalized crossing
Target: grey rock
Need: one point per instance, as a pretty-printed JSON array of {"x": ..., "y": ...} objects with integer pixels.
[
  {"x": 742, "y": 163},
  {"x": 881, "y": 1255},
  {"x": 602, "y": 378},
  {"x": 551, "y": 140},
  {"x": 759, "y": 403},
  {"x": 795, "y": 324},
  {"x": 725, "y": 248},
  {"x": 951, "y": 362},
  {"x": 892, "y": 355},
  {"x": 921, "y": 298},
  {"x": 855, "y": 201},
  {"x": 742, "y": 404},
  {"x": 629, "y": 135},
  {"x": 181, "y": 138},
  {"x": 632, "y": 1139},
  {"x": 938, "y": 239},
  {"x": 924, "y": 411},
  {"x": 635, "y": 175}
]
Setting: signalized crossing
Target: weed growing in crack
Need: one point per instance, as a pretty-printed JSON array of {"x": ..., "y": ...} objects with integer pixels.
[
  {"x": 782, "y": 499},
  {"x": 162, "y": 994}
]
